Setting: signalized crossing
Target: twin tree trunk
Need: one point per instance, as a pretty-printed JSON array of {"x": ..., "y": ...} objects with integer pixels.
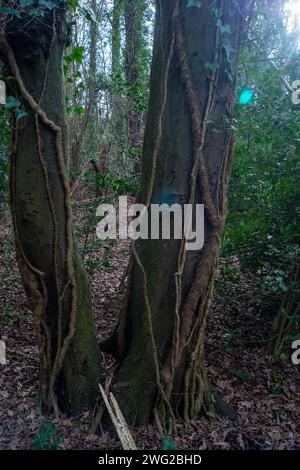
[
  {"x": 53, "y": 276},
  {"x": 186, "y": 159}
]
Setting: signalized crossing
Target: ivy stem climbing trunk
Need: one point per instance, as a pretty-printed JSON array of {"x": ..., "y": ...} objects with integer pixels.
[
  {"x": 187, "y": 158},
  {"x": 53, "y": 275}
]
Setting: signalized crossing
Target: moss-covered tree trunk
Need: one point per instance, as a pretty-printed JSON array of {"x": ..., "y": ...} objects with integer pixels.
[
  {"x": 187, "y": 158},
  {"x": 53, "y": 275}
]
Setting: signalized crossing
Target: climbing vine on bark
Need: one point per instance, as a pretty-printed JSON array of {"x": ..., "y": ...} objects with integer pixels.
[
  {"x": 190, "y": 159},
  {"x": 53, "y": 276}
]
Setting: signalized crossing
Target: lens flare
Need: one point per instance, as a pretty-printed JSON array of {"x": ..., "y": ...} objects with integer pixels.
[{"x": 246, "y": 97}]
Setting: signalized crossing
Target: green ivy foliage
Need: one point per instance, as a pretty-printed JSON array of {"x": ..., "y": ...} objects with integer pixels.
[{"x": 263, "y": 226}]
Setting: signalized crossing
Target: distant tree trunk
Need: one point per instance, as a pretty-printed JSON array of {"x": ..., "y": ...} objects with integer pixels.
[
  {"x": 118, "y": 130},
  {"x": 134, "y": 13},
  {"x": 81, "y": 125},
  {"x": 53, "y": 275},
  {"x": 100, "y": 169},
  {"x": 116, "y": 37},
  {"x": 187, "y": 158}
]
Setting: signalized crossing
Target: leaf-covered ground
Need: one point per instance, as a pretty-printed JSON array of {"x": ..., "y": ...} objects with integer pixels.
[{"x": 264, "y": 393}]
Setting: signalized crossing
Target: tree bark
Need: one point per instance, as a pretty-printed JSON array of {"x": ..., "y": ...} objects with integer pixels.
[
  {"x": 187, "y": 158},
  {"x": 134, "y": 13},
  {"x": 80, "y": 125},
  {"x": 116, "y": 37},
  {"x": 53, "y": 275}
]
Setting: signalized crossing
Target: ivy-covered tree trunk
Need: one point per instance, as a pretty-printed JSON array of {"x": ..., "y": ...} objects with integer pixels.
[
  {"x": 53, "y": 275},
  {"x": 80, "y": 125},
  {"x": 187, "y": 158},
  {"x": 134, "y": 15},
  {"x": 119, "y": 131}
]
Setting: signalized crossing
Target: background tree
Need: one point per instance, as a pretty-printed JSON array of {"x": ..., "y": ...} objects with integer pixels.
[
  {"x": 83, "y": 113},
  {"x": 134, "y": 17}
]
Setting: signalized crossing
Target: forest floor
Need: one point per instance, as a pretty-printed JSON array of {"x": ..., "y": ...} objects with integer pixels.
[{"x": 264, "y": 392}]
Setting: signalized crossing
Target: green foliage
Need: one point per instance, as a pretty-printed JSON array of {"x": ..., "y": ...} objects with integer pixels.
[
  {"x": 5, "y": 137},
  {"x": 278, "y": 381},
  {"x": 8, "y": 315},
  {"x": 48, "y": 438},
  {"x": 75, "y": 56},
  {"x": 263, "y": 226},
  {"x": 168, "y": 444},
  {"x": 3, "y": 169},
  {"x": 242, "y": 375},
  {"x": 13, "y": 104},
  {"x": 33, "y": 8},
  {"x": 118, "y": 186}
]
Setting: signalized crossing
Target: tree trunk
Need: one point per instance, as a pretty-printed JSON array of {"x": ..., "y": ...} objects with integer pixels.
[
  {"x": 134, "y": 12},
  {"x": 187, "y": 158},
  {"x": 53, "y": 275},
  {"x": 116, "y": 37},
  {"x": 80, "y": 125},
  {"x": 118, "y": 139}
]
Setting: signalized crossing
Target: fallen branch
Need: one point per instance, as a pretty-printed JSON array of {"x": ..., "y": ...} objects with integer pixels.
[{"x": 118, "y": 421}]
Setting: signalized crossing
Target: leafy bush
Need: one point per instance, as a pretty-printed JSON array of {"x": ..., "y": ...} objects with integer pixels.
[{"x": 48, "y": 438}]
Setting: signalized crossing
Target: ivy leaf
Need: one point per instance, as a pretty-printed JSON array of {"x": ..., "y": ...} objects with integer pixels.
[
  {"x": 76, "y": 54},
  {"x": 242, "y": 375},
  {"x": 26, "y": 3},
  {"x": 194, "y": 3},
  {"x": 211, "y": 66},
  {"x": 10, "y": 11},
  {"x": 224, "y": 28},
  {"x": 229, "y": 75},
  {"x": 73, "y": 4},
  {"x": 47, "y": 4},
  {"x": 20, "y": 113},
  {"x": 12, "y": 103},
  {"x": 79, "y": 110},
  {"x": 216, "y": 12},
  {"x": 228, "y": 50},
  {"x": 168, "y": 444}
]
